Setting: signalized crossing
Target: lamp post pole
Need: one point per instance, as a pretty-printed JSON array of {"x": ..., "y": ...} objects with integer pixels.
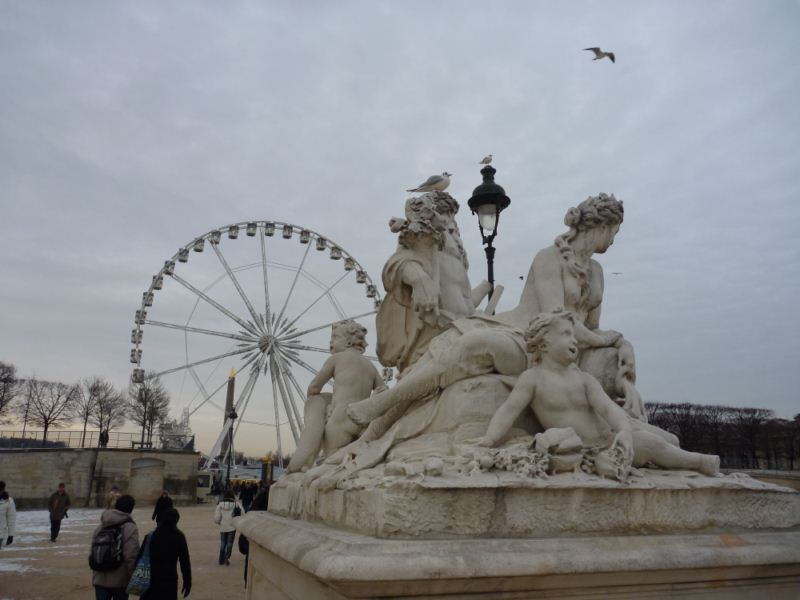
[
  {"x": 489, "y": 249},
  {"x": 488, "y": 201}
]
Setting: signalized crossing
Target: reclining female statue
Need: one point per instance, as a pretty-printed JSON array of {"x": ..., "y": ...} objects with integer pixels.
[{"x": 562, "y": 276}]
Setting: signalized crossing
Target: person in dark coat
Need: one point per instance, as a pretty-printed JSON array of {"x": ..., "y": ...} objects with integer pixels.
[
  {"x": 163, "y": 503},
  {"x": 260, "y": 502},
  {"x": 168, "y": 546}
]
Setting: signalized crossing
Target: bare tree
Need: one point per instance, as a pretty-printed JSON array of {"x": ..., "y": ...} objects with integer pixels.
[
  {"x": 148, "y": 405},
  {"x": 8, "y": 388},
  {"x": 85, "y": 402},
  {"x": 49, "y": 403},
  {"x": 749, "y": 428},
  {"x": 110, "y": 407}
]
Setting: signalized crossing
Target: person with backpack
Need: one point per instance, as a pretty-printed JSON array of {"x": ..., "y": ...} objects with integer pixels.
[
  {"x": 8, "y": 516},
  {"x": 226, "y": 510},
  {"x": 167, "y": 547},
  {"x": 115, "y": 546}
]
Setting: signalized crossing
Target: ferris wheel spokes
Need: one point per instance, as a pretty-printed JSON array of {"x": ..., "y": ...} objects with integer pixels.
[
  {"x": 298, "y": 361},
  {"x": 267, "y": 318},
  {"x": 251, "y": 327},
  {"x": 224, "y": 263},
  {"x": 207, "y": 360},
  {"x": 296, "y": 334},
  {"x": 284, "y": 397},
  {"x": 320, "y": 297},
  {"x": 286, "y": 374},
  {"x": 294, "y": 283},
  {"x": 245, "y": 393},
  {"x": 189, "y": 329},
  {"x": 206, "y": 396}
]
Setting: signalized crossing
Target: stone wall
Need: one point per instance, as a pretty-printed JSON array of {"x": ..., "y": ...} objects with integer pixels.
[{"x": 32, "y": 475}]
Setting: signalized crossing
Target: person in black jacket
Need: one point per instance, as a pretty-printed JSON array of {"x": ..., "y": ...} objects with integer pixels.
[
  {"x": 260, "y": 502},
  {"x": 167, "y": 546},
  {"x": 164, "y": 502}
]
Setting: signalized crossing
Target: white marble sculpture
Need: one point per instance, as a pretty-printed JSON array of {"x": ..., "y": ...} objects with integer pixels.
[
  {"x": 563, "y": 275},
  {"x": 567, "y": 399},
  {"x": 326, "y": 422},
  {"x": 425, "y": 279},
  {"x": 490, "y": 430}
]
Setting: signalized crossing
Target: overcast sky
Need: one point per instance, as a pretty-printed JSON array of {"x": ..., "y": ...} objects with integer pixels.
[{"x": 128, "y": 129}]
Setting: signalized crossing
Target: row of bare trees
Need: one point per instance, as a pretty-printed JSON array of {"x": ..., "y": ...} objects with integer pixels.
[
  {"x": 92, "y": 401},
  {"x": 743, "y": 438}
]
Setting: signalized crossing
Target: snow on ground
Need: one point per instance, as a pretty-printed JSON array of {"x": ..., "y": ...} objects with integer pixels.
[{"x": 32, "y": 544}]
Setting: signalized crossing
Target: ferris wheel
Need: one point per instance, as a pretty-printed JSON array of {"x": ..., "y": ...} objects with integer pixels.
[{"x": 264, "y": 308}]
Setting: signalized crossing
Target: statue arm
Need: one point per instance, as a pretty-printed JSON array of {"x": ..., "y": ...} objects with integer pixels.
[
  {"x": 424, "y": 293},
  {"x": 520, "y": 397},
  {"x": 324, "y": 376},
  {"x": 549, "y": 288}
]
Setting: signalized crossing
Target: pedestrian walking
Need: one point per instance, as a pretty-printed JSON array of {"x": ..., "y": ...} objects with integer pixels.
[
  {"x": 226, "y": 510},
  {"x": 115, "y": 546},
  {"x": 8, "y": 517},
  {"x": 167, "y": 547},
  {"x": 59, "y": 505},
  {"x": 163, "y": 503},
  {"x": 113, "y": 496},
  {"x": 260, "y": 502}
]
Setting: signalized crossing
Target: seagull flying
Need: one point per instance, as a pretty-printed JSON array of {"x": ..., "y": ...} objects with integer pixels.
[
  {"x": 598, "y": 54},
  {"x": 486, "y": 160},
  {"x": 434, "y": 183}
]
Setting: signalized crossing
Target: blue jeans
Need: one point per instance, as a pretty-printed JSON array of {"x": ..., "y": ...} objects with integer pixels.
[
  {"x": 226, "y": 545},
  {"x": 104, "y": 593}
]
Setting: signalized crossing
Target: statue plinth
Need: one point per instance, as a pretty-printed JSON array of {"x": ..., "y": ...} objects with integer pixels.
[
  {"x": 508, "y": 505},
  {"x": 298, "y": 560}
]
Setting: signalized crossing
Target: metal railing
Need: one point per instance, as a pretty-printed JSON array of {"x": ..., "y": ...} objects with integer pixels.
[{"x": 11, "y": 440}]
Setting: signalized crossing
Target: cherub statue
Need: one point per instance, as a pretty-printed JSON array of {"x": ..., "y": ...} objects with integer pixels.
[
  {"x": 354, "y": 378},
  {"x": 563, "y": 396}
]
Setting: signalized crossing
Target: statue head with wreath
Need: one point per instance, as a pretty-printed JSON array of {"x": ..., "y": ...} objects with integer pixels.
[{"x": 422, "y": 220}]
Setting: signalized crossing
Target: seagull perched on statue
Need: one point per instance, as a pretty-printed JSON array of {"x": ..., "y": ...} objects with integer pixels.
[
  {"x": 486, "y": 160},
  {"x": 598, "y": 54},
  {"x": 434, "y": 183}
]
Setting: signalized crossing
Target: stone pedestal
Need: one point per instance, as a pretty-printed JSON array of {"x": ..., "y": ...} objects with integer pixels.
[
  {"x": 500, "y": 504},
  {"x": 299, "y": 560}
]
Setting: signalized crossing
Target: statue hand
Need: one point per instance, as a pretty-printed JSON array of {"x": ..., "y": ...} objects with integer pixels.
[
  {"x": 426, "y": 301},
  {"x": 624, "y": 441}
]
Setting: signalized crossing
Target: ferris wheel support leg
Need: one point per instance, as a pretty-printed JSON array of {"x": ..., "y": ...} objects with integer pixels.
[
  {"x": 277, "y": 415},
  {"x": 285, "y": 398}
]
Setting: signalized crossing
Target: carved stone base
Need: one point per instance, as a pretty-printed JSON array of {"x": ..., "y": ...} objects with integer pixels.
[
  {"x": 297, "y": 560},
  {"x": 507, "y": 505}
]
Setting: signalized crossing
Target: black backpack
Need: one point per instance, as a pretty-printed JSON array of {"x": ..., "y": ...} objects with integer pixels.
[{"x": 106, "y": 554}]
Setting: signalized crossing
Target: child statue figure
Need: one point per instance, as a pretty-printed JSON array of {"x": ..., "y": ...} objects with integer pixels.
[
  {"x": 326, "y": 422},
  {"x": 561, "y": 396}
]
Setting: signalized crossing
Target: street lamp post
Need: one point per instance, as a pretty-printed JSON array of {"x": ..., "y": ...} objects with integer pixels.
[{"x": 488, "y": 201}]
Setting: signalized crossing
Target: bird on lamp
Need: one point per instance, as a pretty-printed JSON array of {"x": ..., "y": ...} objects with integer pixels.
[
  {"x": 434, "y": 183},
  {"x": 599, "y": 54},
  {"x": 486, "y": 160}
]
